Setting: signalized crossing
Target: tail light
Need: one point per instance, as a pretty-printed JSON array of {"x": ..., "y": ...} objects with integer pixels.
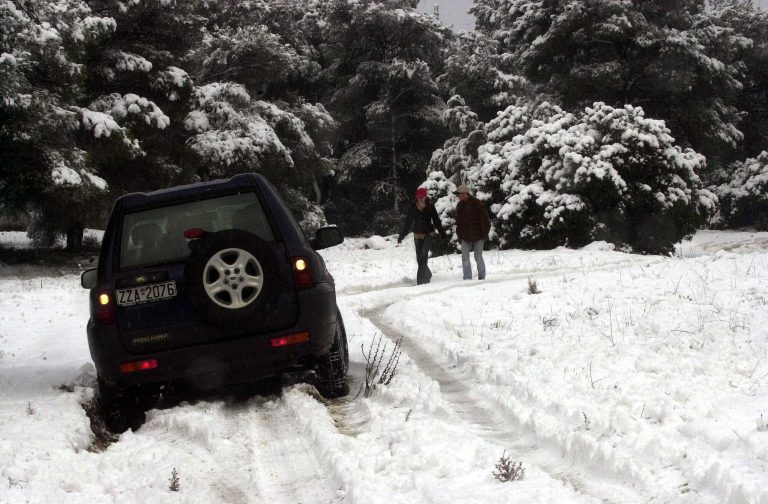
[
  {"x": 104, "y": 308},
  {"x": 290, "y": 339},
  {"x": 302, "y": 274},
  {"x": 194, "y": 233},
  {"x": 130, "y": 367}
]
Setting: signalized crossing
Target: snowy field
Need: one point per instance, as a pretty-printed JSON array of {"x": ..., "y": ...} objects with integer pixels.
[
  {"x": 20, "y": 240},
  {"x": 627, "y": 378}
]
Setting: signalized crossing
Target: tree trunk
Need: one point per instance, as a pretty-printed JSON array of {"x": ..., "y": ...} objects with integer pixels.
[
  {"x": 394, "y": 166},
  {"x": 74, "y": 238},
  {"x": 316, "y": 190}
]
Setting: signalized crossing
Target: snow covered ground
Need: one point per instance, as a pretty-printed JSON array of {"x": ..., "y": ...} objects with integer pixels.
[
  {"x": 628, "y": 378},
  {"x": 14, "y": 239}
]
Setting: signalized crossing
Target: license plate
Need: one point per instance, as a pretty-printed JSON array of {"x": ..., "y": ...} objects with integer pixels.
[{"x": 146, "y": 293}]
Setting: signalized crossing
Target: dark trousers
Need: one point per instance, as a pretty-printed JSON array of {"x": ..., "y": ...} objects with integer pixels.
[{"x": 423, "y": 275}]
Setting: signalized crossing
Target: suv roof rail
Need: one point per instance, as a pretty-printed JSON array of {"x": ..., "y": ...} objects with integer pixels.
[{"x": 242, "y": 180}]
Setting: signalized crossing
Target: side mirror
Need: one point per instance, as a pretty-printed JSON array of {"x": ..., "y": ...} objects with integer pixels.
[
  {"x": 88, "y": 278},
  {"x": 327, "y": 237}
]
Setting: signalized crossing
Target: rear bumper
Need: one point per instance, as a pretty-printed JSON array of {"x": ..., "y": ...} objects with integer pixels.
[{"x": 209, "y": 365}]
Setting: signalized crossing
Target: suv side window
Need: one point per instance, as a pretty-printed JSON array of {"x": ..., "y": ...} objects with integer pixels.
[{"x": 156, "y": 236}]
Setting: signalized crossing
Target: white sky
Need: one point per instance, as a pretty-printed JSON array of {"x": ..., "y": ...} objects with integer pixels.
[{"x": 454, "y": 12}]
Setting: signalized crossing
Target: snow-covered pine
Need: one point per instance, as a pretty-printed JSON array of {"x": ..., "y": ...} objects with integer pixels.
[
  {"x": 43, "y": 171},
  {"x": 602, "y": 174},
  {"x": 744, "y": 198},
  {"x": 485, "y": 77},
  {"x": 671, "y": 58}
]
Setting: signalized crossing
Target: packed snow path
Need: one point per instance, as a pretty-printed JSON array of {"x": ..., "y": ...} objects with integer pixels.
[{"x": 491, "y": 419}]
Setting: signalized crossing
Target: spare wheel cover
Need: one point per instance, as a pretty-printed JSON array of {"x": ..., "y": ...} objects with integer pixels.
[{"x": 233, "y": 278}]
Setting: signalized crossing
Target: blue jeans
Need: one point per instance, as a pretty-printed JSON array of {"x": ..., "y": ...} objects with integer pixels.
[
  {"x": 466, "y": 247},
  {"x": 423, "y": 275}
]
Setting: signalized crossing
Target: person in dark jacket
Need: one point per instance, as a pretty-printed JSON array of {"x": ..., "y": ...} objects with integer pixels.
[
  {"x": 423, "y": 217},
  {"x": 472, "y": 228}
]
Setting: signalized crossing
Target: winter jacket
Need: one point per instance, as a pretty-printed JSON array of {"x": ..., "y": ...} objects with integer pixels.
[
  {"x": 424, "y": 221},
  {"x": 472, "y": 222}
]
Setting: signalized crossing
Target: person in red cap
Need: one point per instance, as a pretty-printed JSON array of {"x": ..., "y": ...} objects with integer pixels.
[{"x": 422, "y": 218}]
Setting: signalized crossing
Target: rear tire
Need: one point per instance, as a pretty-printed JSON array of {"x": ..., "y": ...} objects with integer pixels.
[
  {"x": 120, "y": 409},
  {"x": 331, "y": 370}
]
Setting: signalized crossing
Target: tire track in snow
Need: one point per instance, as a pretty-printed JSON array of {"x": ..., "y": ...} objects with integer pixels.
[
  {"x": 257, "y": 451},
  {"x": 490, "y": 420},
  {"x": 486, "y": 415},
  {"x": 391, "y": 292},
  {"x": 283, "y": 460}
]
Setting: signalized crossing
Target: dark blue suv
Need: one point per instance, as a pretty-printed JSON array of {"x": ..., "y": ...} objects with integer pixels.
[{"x": 210, "y": 284}]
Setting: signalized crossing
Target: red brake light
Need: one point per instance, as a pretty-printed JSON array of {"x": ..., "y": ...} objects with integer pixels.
[
  {"x": 290, "y": 339},
  {"x": 193, "y": 233},
  {"x": 302, "y": 274},
  {"x": 130, "y": 367}
]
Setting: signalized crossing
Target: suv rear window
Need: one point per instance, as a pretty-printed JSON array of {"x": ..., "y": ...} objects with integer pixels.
[{"x": 157, "y": 236}]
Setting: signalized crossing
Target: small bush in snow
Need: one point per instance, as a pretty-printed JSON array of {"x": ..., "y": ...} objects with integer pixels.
[
  {"x": 549, "y": 322},
  {"x": 374, "y": 358},
  {"x": 12, "y": 482},
  {"x": 762, "y": 424},
  {"x": 91, "y": 244},
  {"x": 744, "y": 198},
  {"x": 506, "y": 470},
  {"x": 555, "y": 178},
  {"x": 533, "y": 288},
  {"x": 174, "y": 483}
]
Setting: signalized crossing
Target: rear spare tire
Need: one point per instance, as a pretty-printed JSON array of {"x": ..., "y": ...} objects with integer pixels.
[{"x": 231, "y": 277}]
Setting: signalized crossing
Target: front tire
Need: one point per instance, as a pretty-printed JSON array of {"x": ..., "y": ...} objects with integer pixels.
[{"x": 331, "y": 369}]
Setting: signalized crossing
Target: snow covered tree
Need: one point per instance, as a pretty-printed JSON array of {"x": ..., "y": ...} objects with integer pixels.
[
  {"x": 381, "y": 61},
  {"x": 604, "y": 174},
  {"x": 483, "y": 77},
  {"x": 137, "y": 81},
  {"x": 741, "y": 20},
  {"x": 251, "y": 113},
  {"x": 42, "y": 169},
  {"x": 407, "y": 111},
  {"x": 233, "y": 133},
  {"x": 460, "y": 151},
  {"x": 668, "y": 57},
  {"x": 255, "y": 57},
  {"x": 744, "y": 198}
]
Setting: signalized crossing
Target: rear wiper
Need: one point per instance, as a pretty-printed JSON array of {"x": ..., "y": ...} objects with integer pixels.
[{"x": 164, "y": 261}]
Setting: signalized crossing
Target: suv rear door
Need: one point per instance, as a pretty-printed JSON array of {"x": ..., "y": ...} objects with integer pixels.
[{"x": 155, "y": 310}]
